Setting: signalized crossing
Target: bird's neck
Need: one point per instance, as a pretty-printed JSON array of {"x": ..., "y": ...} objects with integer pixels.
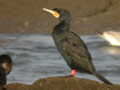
[{"x": 62, "y": 26}]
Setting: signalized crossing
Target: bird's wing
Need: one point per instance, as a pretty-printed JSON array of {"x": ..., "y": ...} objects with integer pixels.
[{"x": 76, "y": 49}]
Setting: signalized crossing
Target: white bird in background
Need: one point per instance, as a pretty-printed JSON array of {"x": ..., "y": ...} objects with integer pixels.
[{"x": 112, "y": 37}]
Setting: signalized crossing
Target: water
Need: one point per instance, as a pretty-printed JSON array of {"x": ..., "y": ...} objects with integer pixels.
[{"x": 35, "y": 56}]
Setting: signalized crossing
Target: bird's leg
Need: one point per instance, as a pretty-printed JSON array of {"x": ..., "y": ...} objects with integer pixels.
[{"x": 72, "y": 74}]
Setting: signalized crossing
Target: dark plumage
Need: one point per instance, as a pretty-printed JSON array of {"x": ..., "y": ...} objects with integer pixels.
[
  {"x": 2, "y": 76},
  {"x": 72, "y": 47},
  {"x": 5, "y": 68}
]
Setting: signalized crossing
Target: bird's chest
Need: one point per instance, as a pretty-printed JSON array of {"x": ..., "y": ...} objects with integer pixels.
[
  {"x": 60, "y": 46},
  {"x": 57, "y": 39}
]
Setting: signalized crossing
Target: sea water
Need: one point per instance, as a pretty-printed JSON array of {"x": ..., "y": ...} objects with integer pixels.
[{"x": 35, "y": 56}]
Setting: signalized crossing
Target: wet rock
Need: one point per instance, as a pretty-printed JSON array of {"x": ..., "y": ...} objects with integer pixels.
[{"x": 62, "y": 83}]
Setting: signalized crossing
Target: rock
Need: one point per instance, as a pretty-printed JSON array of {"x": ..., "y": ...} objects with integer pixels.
[
  {"x": 62, "y": 83},
  {"x": 88, "y": 16}
]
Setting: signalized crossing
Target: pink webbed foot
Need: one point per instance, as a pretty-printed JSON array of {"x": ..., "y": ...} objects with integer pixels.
[{"x": 72, "y": 74}]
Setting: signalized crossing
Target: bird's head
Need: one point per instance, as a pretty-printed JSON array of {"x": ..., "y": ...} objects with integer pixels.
[
  {"x": 6, "y": 63},
  {"x": 61, "y": 14}
]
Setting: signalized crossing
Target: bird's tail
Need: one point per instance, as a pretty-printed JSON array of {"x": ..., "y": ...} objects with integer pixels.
[{"x": 102, "y": 78}]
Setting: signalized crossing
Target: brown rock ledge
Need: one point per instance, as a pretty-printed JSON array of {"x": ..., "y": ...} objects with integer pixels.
[
  {"x": 88, "y": 16},
  {"x": 61, "y": 83}
]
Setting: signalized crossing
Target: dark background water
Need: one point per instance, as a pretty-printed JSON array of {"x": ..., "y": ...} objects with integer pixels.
[{"x": 35, "y": 56}]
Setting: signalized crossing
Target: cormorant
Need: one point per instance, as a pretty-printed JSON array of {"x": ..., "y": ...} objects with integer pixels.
[
  {"x": 71, "y": 46},
  {"x": 5, "y": 68}
]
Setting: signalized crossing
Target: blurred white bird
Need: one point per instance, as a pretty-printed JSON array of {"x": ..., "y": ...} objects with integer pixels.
[{"x": 112, "y": 37}]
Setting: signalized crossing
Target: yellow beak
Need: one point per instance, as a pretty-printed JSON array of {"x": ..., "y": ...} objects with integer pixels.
[{"x": 53, "y": 12}]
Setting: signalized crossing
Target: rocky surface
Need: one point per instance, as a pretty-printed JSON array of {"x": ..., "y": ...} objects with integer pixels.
[
  {"x": 62, "y": 83},
  {"x": 88, "y": 16}
]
